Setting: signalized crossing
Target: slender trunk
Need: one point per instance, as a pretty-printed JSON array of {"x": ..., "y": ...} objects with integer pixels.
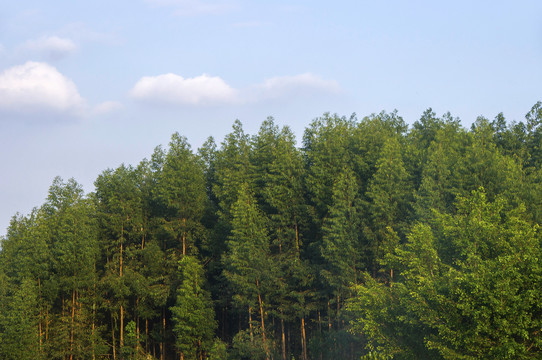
[
  {"x": 72, "y": 324},
  {"x": 338, "y": 310},
  {"x": 283, "y": 337},
  {"x": 114, "y": 323},
  {"x": 46, "y": 324},
  {"x": 263, "y": 323},
  {"x": 250, "y": 325},
  {"x": 329, "y": 315},
  {"x": 40, "y": 318},
  {"x": 288, "y": 339},
  {"x": 137, "y": 325},
  {"x": 93, "y": 329},
  {"x": 94, "y": 315},
  {"x": 223, "y": 322},
  {"x": 146, "y": 335},
  {"x": 391, "y": 277},
  {"x": 163, "y": 352},
  {"x": 142, "y": 239},
  {"x": 184, "y": 236},
  {"x": 319, "y": 322},
  {"x": 121, "y": 343},
  {"x": 303, "y": 338},
  {"x": 297, "y": 239},
  {"x": 137, "y": 334},
  {"x": 320, "y": 330},
  {"x": 121, "y": 340}
]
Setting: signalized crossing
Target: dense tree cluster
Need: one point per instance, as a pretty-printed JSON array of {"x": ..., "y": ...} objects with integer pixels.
[{"x": 372, "y": 240}]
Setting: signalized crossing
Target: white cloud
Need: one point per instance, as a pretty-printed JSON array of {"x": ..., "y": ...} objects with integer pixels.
[
  {"x": 302, "y": 84},
  {"x": 211, "y": 90},
  {"x": 35, "y": 87},
  {"x": 53, "y": 47},
  {"x": 107, "y": 107},
  {"x": 194, "y": 7},
  {"x": 174, "y": 89}
]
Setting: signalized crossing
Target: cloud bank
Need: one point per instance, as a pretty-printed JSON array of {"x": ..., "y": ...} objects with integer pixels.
[
  {"x": 205, "y": 90},
  {"x": 53, "y": 47},
  {"x": 35, "y": 87}
]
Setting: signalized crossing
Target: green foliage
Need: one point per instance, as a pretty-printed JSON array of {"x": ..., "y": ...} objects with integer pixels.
[
  {"x": 341, "y": 246},
  {"x": 218, "y": 351},
  {"x": 249, "y": 346},
  {"x": 19, "y": 323},
  {"x": 467, "y": 288},
  {"x": 248, "y": 264},
  {"x": 193, "y": 313}
]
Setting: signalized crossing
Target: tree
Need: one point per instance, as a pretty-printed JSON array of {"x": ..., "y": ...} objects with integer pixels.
[
  {"x": 72, "y": 238},
  {"x": 248, "y": 264},
  {"x": 467, "y": 288},
  {"x": 341, "y": 247},
  {"x": 193, "y": 313},
  {"x": 389, "y": 206},
  {"x": 121, "y": 220},
  {"x": 181, "y": 191},
  {"x": 19, "y": 323}
]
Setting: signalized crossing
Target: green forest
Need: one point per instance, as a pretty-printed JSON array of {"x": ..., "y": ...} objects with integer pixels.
[{"x": 368, "y": 239}]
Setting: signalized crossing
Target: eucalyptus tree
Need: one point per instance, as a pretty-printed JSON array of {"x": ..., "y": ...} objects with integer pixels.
[
  {"x": 73, "y": 244},
  {"x": 232, "y": 169},
  {"x": 341, "y": 245},
  {"x": 248, "y": 263},
  {"x": 440, "y": 182},
  {"x": 193, "y": 314},
  {"x": 121, "y": 221},
  {"x": 326, "y": 150},
  {"x": 25, "y": 258},
  {"x": 389, "y": 206},
  {"x": 279, "y": 176},
  {"x": 181, "y": 191}
]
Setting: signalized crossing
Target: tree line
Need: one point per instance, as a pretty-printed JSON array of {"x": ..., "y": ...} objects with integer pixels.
[{"x": 372, "y": 239}]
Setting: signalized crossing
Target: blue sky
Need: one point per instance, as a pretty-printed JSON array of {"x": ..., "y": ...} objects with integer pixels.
[{"x": 88, "y": 85}]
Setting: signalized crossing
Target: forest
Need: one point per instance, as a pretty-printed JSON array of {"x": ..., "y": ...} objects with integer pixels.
[{"x": 370, "y": 239}]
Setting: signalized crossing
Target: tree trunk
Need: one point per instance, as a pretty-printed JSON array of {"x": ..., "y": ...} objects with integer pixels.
[
  {"x": 146, "y": 335},
  {"x": 338, "y": 313},
  {"x": 283, "y": 337},
  {"x": 184, "y": 237},
  {"x": 297, "y": 240},
  {"x": 263, "y": 323},
  {"x": 94, "y": 316},
  {"x": 113, "y": 336},
  {"x": 46, "y": 324},
  {"x": 40, "y": 318},
  {"x": 328, "y": 315},
  {"x": 163, "y": 352},
  {"x": 250, "y": 325},
  {"x": 303, "y": 338},
  {"x": 121, "y": 344},
  {"x": 72, "y": 324}
]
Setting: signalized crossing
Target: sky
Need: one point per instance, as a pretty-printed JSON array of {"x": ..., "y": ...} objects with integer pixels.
[{"x": 89, "y": 85}]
